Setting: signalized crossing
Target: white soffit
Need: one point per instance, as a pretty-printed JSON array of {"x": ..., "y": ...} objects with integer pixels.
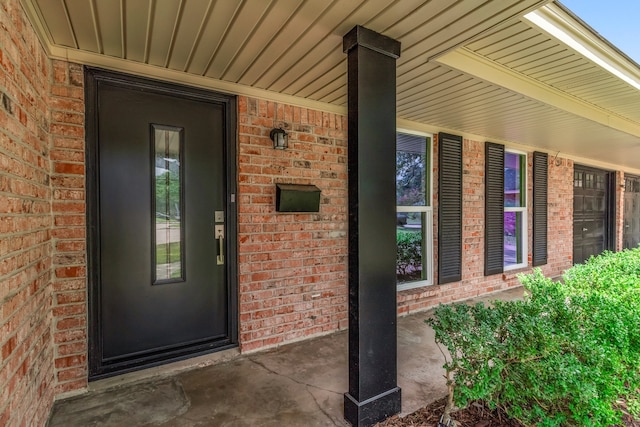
[
  {"x": 291, "y": 51},
  {"x": 559, "y": 24},
  {"x": 561, "y": 97},
  {"x": 291, "y": 48}
]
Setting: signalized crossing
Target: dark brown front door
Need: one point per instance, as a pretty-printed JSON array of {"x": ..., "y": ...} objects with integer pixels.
[
  {"x": 631, "y": 232},
  {"x": 162, "y": 286},
  {"x": 591, "y": 213}
]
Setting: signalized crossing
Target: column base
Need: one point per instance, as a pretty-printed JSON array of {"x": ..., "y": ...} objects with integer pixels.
[{"x": 373, "y": 410}]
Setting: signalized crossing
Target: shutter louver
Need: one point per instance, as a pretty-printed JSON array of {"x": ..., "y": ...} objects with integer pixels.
[
  {"x": 494, "y": 209},
  {"x": 449, "y": 208},
  {"x": 540, "y": 180}
]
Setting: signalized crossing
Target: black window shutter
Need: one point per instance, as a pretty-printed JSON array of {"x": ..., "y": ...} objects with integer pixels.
[
  {"x": 449, "y": 208},
  {"x": 493, "y": 208},
  {"x": 540, "y": 172}
]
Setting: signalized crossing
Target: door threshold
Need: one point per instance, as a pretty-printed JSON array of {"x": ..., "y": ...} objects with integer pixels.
[{"x": 165, "y": 370}]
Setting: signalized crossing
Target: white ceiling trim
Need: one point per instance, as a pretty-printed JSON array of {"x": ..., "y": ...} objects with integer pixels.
[
  {"x": 471, "y": 63},
  {"x": 179, "y": 77},
  {"x": 552, "y": 20}
]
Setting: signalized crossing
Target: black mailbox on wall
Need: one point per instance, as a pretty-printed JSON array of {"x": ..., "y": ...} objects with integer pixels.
[{"x": 297, "y": 198}]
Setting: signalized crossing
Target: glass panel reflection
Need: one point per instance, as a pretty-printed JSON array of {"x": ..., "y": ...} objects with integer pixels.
[
  {"x": 513, "y": 184},
  {"x": 410, "y": 265},
  {"x": 168, "y": 202},
  {"x": 411, "y": 170},
  {"x": 512, "y": 238}
]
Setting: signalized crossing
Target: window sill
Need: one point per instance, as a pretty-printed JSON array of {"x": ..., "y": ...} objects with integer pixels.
[
  {"x": 517, "y": 267},
  {"x": 513, "y": 272},
  {"x": 413, "y": 285}
]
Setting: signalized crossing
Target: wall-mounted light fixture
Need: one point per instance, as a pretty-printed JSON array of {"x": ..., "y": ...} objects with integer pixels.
[{"x": 280, "y": 138}]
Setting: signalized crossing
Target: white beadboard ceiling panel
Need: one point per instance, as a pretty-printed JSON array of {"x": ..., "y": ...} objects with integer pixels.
[
  {"x": 470, "y": 66},
  {"x": 525, "y": 50}
]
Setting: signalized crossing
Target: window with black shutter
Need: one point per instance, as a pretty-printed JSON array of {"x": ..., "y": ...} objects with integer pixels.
[
  {"x": 494, "y": 209},
  {"x": 506, "y": 234},
  {"x": 449, "y": 208},
  {"x": 540, "y": 173}
]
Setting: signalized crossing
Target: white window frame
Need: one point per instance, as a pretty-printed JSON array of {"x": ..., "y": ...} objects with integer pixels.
[
  {"x": 427, "y": 228},
  {"x": 524, "y": 226}
]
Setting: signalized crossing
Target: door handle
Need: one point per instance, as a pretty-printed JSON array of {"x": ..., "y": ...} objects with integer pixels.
[
  {"x": 584, "y": 228},
  {"x": 218, "y": 231}
]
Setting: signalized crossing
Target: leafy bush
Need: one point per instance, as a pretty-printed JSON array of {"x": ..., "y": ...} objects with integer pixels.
[
  {"x": 568, "y": 354},
  {"x": 409, "y": 252}
]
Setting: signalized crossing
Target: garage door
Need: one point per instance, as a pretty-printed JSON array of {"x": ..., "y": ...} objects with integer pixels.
[
  {"x": 591, "y": 213},
  {"x": 631, "y": 233}
]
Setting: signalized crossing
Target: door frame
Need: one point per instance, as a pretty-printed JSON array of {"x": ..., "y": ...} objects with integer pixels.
[
  {"x": 94, "y": 77},
  {"x": 610, "y": 214}
]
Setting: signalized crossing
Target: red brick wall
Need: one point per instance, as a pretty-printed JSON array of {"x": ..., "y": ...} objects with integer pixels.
[
  {"x": 619, "y": 177},
  {"x": 560, "y": 214},
  {"x": 280, "y": 294},
  {"x": 292, "y": 267},
  {"x": 474, "y": 283},
  {"x": 26, "y": 363},
  {"x": 69, "y": 228}
]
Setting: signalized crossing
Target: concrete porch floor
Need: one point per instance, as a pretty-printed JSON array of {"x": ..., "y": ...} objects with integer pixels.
[{"x": 300, "y": 384}]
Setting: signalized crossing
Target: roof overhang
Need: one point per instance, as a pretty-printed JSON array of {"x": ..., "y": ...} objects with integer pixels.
[{"x": 485, "y": 69}]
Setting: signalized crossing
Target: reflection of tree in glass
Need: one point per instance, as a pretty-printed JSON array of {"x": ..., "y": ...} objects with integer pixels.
[
  {"x": 410, "y": 178},
  {"x": 168, "y": 194},
  {"x": 409, "y": 255}
]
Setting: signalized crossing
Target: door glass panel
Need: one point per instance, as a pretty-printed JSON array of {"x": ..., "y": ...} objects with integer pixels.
[{"x": 168, "y": 222}]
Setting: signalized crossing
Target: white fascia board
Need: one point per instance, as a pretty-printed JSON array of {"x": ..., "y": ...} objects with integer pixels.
[
  {"x": 485, "y": 69},
  {"x": 558, "y": 24}
]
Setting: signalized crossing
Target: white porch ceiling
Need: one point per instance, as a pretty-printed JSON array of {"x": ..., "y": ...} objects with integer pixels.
[{"x": 474, "y": 67}]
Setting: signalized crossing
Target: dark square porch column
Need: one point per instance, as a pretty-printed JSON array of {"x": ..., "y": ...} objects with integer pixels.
[{"x": 373, "y": 392}]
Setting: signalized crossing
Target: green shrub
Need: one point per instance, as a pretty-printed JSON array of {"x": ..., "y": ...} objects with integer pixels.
[
  {"x": 568, "y": 354},
  {"x": 409, "y": 252}
]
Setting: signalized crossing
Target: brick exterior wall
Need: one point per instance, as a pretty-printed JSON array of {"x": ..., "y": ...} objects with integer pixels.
[
  {"x": 560, "y": 216},
  {"x": 292, "y": 267},
  {"x": 474, "y": 283},
  {"x": 68, "y": 233},
  {"x": 619, "y": 177},
  {"x": 26, "y": 363}
]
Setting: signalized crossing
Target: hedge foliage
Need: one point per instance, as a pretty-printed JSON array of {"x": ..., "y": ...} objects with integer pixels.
[
  {"x": 409, "y": 253},
  {"x": 567, "y": 354}
]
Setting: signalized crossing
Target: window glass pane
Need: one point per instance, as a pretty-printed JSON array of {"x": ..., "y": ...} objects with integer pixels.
[
  {"x": 412, "y": 170},
  {"x": 168, "y": 202},
  {"x": 512, "y": 238},
  {"x": 410, "y": 265},
  {"x": 588, "y": 178},
  {"x": 513, "y": 180}
]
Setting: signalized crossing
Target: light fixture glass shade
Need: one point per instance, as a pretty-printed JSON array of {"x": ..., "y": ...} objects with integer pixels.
[{"x": 280, "y": 138}]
